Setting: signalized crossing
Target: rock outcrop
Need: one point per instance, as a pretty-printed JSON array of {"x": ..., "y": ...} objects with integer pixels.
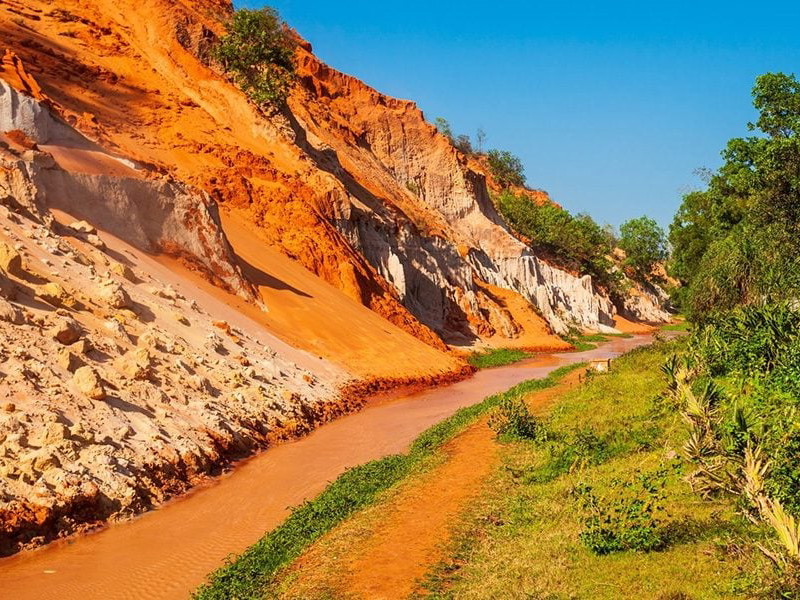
[
  {"x": 153, "y": 212},
  {"x": 112, "y": 407},
  {"x": 354, "y": 185}
]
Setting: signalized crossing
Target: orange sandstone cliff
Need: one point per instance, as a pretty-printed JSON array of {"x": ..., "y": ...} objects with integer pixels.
[{"x": 184, "y": 278}]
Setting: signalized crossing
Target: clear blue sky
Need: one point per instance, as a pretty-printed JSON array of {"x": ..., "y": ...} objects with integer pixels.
[{"x": 610, "y": 105}]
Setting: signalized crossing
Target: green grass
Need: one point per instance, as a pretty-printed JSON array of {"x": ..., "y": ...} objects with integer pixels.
[
  {"x": 583, "y": 343},
  {"x": 683, "y": 326},
  {"x": 246, "y": 576},
  {"x": 521, "y": 538},
  {"x": 497, "y": 357}
]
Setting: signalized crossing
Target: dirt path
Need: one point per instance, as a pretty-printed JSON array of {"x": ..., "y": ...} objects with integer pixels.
[
  {"x": 405, "y": 545},
  {"x": 413, "y": 527}
]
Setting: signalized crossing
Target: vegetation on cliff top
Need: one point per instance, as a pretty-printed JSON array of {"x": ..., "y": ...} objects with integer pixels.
[
  {"x": 506, "y": 168},
  {"x": 578, "y": 241},
  {"x": 258, "y": 51},
  {"x": 575, "y": 242}
]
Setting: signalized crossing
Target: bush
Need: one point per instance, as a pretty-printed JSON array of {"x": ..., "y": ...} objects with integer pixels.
[
  {"x": 784, "y": 483},
  {"x": 736, "y": 242},
  {"x": 463, "y": 143},
  {"x": 566, "y": 452},
  {"x": 513, "y": 419},
  {"x": 632, "y": 519},
  {"x": 506, "y": 168},
  {"x": 443, "y": 127},
  {"x": 757, "y": 348},
  {"x": 258, "y": 51},
  {"x": 750, "y": 341},
  {"x": 749, "y": 266}
]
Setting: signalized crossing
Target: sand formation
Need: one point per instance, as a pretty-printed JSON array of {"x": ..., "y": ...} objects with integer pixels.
[{"x": 185, "y": 278}]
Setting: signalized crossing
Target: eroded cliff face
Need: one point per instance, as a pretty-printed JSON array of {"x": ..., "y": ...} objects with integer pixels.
[
  {"x": 140, "y": 88},
  {"x": 422, "y": 215},
  {"x": 121, "y": 383},
  {"x": 354, "y": 185},
  {"x": 152, "y": 211},
  {"x": 136, "y": 183}
]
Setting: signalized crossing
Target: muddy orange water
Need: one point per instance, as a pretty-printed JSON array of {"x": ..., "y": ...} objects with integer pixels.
[{"x": 168, "y": 552}]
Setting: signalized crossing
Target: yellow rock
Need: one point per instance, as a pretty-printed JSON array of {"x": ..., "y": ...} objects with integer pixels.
[
  {"x": 88, "y": 383},
  {"x": 11, "y": 260},
  {"x": 123, "y": 271},
  {"x": 55, "y": 295}
]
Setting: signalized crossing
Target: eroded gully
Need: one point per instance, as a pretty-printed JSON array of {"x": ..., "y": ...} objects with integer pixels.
[{"x": 167, "y": 553}]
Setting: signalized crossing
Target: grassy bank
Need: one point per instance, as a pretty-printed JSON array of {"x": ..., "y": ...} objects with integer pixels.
[
  {"x": 497, "y": 357},
  {"x": 247, "y": 576},
  {"x": 583, "y": 343},
  {"x": 598, "y": 507},
  {"x": 682, "y": 326}
]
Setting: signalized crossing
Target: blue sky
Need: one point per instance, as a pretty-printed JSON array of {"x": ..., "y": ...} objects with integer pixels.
[{"x": 610, "y": 105}]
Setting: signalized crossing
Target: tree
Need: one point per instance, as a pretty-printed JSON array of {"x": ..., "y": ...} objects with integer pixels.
[
  {"x": 644, "y": 244},
  {"x": 258, "y": 51},
  {"x": 737, "y": 242},
  {"x": 506, "y": 168},
  {"x": 610, "y": 234},
  {"x": 463, "y": 143},
  {"x": 480, "y": 138},
  {"x": 443, "y": 126}
]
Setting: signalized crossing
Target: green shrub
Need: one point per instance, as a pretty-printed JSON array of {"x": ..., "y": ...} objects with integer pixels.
[
  {"x": 566, "y": 453},
  {"x": 784, "y": 483},
  {"x": 583, "y": 447},
  {"x": 736, "y": 242},
  {"x": 513, "y": 419},
  {"x": 443, "y": 127},
  {"x": 749, "y": 341},
  {"x": 461, "y": 142},
  {"x": 752, "y": 431},
  {"x": 506, "y": 168},
  {"x": 644, "y": 244},
  {"x": 258, "y": 52},
  {"x": 632, "y": 518}
]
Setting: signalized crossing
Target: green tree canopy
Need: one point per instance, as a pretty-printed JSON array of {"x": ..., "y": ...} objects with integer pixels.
[
  {"x": 443, "y": 126},
  {"x": 733, "y": 241},
  {"x": 506, "y": 168},
  {"x": 644, "y": 243},
  {"x": 258, "y": 51}
]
